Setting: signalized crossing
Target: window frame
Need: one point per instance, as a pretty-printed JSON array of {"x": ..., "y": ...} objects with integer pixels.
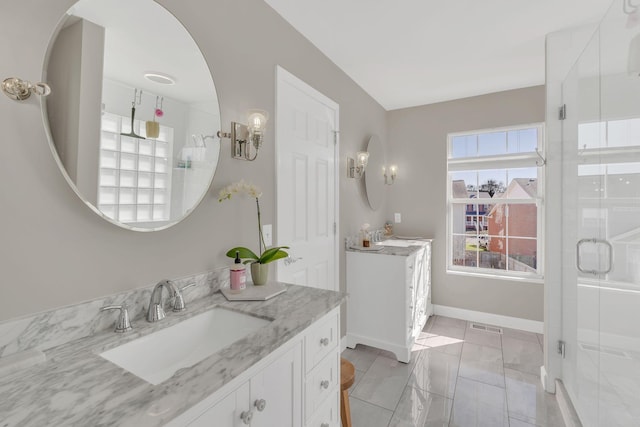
[{"x": 500, "y": 161}]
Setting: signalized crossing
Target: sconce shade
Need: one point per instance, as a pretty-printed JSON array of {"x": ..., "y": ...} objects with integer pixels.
[
  {"x": 257, "y": 120},
  {"x": 362, "y": 158}
]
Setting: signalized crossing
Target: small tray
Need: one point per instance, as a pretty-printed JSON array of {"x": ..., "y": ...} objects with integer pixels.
[{"x": 255, "y": 293}]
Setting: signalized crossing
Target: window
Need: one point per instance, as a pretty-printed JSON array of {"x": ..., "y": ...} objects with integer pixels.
[
  {"x": 494, "y": 195},
  {"x": 135, "y": 174}
]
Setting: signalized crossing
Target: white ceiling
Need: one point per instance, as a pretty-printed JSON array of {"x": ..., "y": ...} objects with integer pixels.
[
  {"x": 142, "y": 36},
  {"x": 414, "y": 52}
]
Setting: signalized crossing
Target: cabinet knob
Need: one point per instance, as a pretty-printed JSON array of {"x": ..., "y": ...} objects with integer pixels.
[
  {"x": 324, "y": 384},
  {"x": 246, "y": 417},
  {"x": 324, "y": 341},
  {"x": 260, "y": 404}
]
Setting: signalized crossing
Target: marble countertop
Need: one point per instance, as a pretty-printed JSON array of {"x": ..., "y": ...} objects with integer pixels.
[
  {"x": 413, "y": 245},
  {"x": 75, "y": 386}
]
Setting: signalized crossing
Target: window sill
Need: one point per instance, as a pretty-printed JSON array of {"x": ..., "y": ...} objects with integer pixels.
[{"x": 539, "y": 280}]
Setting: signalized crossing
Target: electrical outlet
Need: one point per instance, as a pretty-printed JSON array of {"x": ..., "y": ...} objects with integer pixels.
[
  {"x": 397, "y": 218},
  {"x": 267, "y": 233}
]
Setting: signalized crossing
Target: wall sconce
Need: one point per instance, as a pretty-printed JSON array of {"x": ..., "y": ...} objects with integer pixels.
[
  {"x": 391, "y": 177},
  {"x": 356, "y": 167},
  {"x": 243, "y": 137}
]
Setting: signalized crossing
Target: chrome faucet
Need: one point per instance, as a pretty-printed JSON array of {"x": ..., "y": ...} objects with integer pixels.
[
  {"x": 123, "y": 324},
  {"x": 156, "y": 304}
]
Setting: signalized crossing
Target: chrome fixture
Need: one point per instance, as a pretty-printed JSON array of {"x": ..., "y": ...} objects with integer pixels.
[
  {"x": 243, "y": 137},
  {"x": 391, "y": 178},
  {"x": 260, "y": 404},
  {"x": 178, "y": 299},
  {"x": 246, "y": 417},
  {"x": 156, "y": 311},
  {"x": 123, "y": 324},
  {"x": 199, "y": 140},
  {"x": 356, "y": 167},
  {"x": 19, "y": 90}
]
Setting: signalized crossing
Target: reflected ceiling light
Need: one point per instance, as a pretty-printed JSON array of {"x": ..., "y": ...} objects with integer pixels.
[{"x": 161, "y": 78}]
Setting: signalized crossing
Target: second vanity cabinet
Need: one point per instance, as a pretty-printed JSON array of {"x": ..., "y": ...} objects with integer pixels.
[
  {"x": 297, "y": 385},
  {"x": 389, "y": 297}
]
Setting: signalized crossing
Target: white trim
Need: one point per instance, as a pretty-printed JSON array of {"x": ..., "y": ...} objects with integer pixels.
[
  {"x": 343, "y": 344},
  {"x": 502, "y": 161},
  {"x": 545, "y": 380},
  {"x": 486, "y": 273},
  {"x": 568, "y": 411},
  {"x": 489, "y": 318}
]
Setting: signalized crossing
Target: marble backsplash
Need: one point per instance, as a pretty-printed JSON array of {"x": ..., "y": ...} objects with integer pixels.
[{"x": 49, "y": 329}]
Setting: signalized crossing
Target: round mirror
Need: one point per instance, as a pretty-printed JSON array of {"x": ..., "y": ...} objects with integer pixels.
[
  {"x": 133, "y": 112},
  {"x": 374, "y": 173}
]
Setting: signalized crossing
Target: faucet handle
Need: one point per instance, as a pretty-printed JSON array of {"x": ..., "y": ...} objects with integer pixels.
[
  {"x": 123, "y": 324},
  {"x": 178, "y": 302}
]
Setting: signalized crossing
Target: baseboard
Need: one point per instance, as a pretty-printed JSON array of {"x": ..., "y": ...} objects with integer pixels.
[
  {"x": 489, "y": 318},
  {"x": 402, "y": 353},
  {"x": 548, "y": 385},
  {"x": 569, "y": 414},
  {"x": 343, "y": 344}
]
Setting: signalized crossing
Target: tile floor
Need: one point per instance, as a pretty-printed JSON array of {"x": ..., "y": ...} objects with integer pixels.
[{"x": 456, "y": 377}]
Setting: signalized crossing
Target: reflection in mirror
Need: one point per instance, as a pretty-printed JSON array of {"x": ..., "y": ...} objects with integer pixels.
[
  {"x": 132, "y": 113},
  {"x": 374, "y": 174}
]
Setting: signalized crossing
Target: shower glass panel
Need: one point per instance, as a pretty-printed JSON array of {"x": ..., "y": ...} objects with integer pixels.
[{"x": 601, "y": 225}]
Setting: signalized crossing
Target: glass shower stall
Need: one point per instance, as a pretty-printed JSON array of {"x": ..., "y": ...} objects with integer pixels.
[{"x": 600, "y": 160}]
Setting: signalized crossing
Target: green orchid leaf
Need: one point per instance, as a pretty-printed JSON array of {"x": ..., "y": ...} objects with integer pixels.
[
  {"x": 273, "y": 254},
  {"x": 278, "y": 255},
  {"x": 244, "y": 253}
]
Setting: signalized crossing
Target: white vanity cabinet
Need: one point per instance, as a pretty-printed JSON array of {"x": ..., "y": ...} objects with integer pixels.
[
  {"x": 389, "y": 298},
  {"x": 322, "y": 373},
  {"x": 271, "y": 397},
  {"x": 297, "y": 382}
]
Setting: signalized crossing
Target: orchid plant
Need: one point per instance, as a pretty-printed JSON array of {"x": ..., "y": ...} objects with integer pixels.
[{"x": 269, "y": 255}]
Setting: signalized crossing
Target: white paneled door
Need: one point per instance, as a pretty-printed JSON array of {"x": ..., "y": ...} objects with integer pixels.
[{"x": 307, "y": 143}]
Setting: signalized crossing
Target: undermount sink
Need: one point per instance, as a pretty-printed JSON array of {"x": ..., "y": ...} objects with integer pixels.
[{"x": 157, "y": 356}]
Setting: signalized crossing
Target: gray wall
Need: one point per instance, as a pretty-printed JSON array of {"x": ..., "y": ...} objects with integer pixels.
[
  {"x": 54, "y": 251},
  {"x": 418, "y": 144}
]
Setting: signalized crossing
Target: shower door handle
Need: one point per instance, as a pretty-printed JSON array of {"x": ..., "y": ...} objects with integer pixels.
[{"x": 595, "y": 242}]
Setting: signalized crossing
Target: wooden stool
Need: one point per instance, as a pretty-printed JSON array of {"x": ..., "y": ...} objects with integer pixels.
[{"x": 347, "y": 377}]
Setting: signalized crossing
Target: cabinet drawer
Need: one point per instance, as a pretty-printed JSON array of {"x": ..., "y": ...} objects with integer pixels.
[
  {"x": 322, "y": 382},
  {"x": 328, "y": 415},
  {"x": 320, "y": 341}
]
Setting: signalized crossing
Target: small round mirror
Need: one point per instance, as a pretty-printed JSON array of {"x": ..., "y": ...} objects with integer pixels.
[
  {"x": 133, "y": 112},
  {"x": 374, "y": 173}
]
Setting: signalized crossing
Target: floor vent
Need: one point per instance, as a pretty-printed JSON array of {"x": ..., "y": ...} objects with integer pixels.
[
  {"x": 486, "y": 328},
  {"x": 605, "y": 350}
]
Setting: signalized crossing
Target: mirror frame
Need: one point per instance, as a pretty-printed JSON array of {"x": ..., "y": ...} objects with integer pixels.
[
  {"x": 47, "y": 128},
  {"x": 373, "y": 175}
]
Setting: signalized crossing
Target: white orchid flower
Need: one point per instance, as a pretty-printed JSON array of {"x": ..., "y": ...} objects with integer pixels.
[{"x": 240, "y": 187}]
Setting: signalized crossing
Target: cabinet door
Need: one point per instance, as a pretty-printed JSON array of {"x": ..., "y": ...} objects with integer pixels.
[
  {"x": 227, "y": 412},
  {"x": 276, "y": 397}
]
